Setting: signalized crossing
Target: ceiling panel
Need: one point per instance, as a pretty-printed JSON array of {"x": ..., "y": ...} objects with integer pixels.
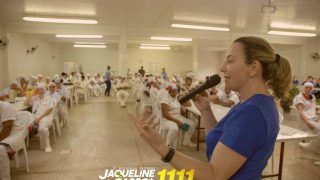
[{"x": 143, "y": 17}]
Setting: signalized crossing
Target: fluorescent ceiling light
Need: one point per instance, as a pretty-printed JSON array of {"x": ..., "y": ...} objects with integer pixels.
[
  {"x": 288, "y": 33},
  {"x": 162, "y": 45},
  {"x": 210, "y": 28},
  {"x": 60, "y": 20},
  {"x": 171, "y": 38},
  {"x": 78, "y": 36},
  {"x": 90, "y": 43},
  {"x": 154, "y": 47},
  {"x": 285, "y": 25},
  {"x": 89, "y": 46}
]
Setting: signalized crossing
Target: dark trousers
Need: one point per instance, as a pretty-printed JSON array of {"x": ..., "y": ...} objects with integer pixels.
[{"x": 108, "y": 83}]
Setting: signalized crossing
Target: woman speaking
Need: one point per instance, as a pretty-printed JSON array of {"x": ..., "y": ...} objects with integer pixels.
[{"x": 239, "y": 146}]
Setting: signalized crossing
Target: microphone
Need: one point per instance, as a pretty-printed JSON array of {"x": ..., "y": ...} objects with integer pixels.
[{"x": 212, "y": 81}]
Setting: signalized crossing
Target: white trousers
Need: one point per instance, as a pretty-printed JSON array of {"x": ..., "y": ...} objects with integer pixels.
[
  {"x": 122, "y": 97},
  {"x": 43, "y": 131},
  {"x": 13, "y": 140},
  {"x": 63, "y": 112},
  {"x": 315, "y": 143},
  {"x": 94, "y": 89},
  {"x": 173, "y": 129}
]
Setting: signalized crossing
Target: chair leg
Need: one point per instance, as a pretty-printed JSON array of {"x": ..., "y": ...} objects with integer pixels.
[
  {"x": 16, "y": 160},
  {"x": 76, "y": 99},
  {"x": 26, "y": 157},
  {"x": 56, "y": 120},
  {"x": 27, "y": 140},
  {"x": 71, "y": 102},
  {"x": 54, "y": 133}
]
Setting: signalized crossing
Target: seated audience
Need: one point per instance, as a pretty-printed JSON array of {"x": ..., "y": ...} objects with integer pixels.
[
  {"x": 305, "y": 103},
  {"x": 173, "y": 120},
  {"x": 11, "y": 134},
  {"x": 42, "y": 106},
  {"x": 122, "y": 93}
]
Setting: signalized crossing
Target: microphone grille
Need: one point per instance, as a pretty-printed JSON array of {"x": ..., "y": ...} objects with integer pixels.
[{"x": 213, "y": 81}]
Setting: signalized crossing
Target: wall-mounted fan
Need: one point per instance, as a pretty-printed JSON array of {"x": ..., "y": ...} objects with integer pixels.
[{"x": 4, "y": 41}]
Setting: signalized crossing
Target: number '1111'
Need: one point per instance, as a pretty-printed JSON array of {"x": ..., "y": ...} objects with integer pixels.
[{"x": 173, "y": 173}]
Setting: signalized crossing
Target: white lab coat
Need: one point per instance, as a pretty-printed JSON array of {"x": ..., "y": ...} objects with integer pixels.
[
  {"x": 172, "y": 127},
  {"x": 122, "y": 95},
  {"x": 8, "y": 112},
  {"x": 39, "y": 107}
]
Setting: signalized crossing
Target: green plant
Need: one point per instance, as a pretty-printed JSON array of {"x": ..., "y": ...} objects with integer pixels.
[{"x": 286, "y": 103}]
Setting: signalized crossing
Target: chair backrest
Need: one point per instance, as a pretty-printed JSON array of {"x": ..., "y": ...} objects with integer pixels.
[
  {"x": 24, "y": 119},
  {"x": 157, "y": 112}
]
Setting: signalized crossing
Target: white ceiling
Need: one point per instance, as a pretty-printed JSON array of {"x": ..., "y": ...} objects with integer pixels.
[{"x": 141, "y": 19}]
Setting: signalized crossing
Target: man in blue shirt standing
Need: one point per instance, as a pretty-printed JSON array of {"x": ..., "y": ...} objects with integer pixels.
[{"x": 107, "y": 79}]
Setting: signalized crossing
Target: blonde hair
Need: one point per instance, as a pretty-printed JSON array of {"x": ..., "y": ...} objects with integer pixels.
[{"x": 276, "y": 70}]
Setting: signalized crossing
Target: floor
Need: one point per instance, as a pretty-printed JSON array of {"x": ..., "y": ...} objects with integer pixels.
[{"x": 101, "y": 137}]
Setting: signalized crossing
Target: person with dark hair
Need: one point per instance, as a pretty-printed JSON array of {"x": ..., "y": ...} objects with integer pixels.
[
  {"x": 240, "y": 144},
  {"x": 164, "y": 74},
  {"x": 107, "y": 79},
  {"x": 142, "y": 71}
]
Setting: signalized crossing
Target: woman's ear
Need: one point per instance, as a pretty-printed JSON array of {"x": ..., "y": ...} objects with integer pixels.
[{"x": 254, "y": 68}]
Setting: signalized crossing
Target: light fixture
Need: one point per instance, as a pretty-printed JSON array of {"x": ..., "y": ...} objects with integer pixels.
[
  {"x": 60, "y": 20},
  {"x": 210, "y": 28},
  {"x": 102, "y": 43},
  {"x": 78, "y": 36},
  {"x": 155, "y": 47},
  {"x": 289, "y": 33},
  {"x": 171, "y": 38},
  {"x": 286, "y": 25},
  {"x": 89, "y": 46},
  {"x": 161, "y": 45}
]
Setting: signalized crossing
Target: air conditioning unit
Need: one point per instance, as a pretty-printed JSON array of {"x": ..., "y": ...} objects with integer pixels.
[{"x": 315, "y": 56}]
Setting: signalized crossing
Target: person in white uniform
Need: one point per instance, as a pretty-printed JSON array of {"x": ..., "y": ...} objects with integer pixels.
[
  {"x": 226, "y": 98},
  {"x": 82, "y": 86},
  {"x": 42, "y": 106},
  {"x": 41, "y": 80},
  {"x": 33, "y": 82},
  {"x": 305, "y": 103},
  {"x": 173, "y": 120},
  {"x": 53, "y": 92},
  {"x": 187, "y": 86},
  {"x": 122, "y": 91},
  {"x": 13, "y": 86},
  {"x": 10, "y": 133},
  {"x": 146, "y": 101},
  {"x": 62, "y": 105}
]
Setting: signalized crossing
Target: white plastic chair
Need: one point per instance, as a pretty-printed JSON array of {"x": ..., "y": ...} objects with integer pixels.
[
  {"x": 82, "y": 92},
  {"x": 56, "y": 120},
  {"x": 163, "y": 131},
  {"x": 70, "y": 99},
  {"x": 74, "y": 95},
  {"x": 23, "y": 119}
]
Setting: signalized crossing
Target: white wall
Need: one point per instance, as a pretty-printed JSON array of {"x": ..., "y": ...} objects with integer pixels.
[
  {"x": 294, "y": 54},
  {"x": 175, "y": 62},
  {"x": 96, "y": 60},
  {"x": 3, "y": 64},
  {"x": 45, "y": 60},
  {"x": 310, "y": 66},
  {"x": 209, "y": 63},
  {"x": 92, "y": 60}
]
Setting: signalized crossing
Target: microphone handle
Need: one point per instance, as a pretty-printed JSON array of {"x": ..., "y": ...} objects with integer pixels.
[{"x": 191, "y": 94}]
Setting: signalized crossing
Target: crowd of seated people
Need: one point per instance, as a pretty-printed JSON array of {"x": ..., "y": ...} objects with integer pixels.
[
  {"x": 305, "y": 104},
  {"x": 41, "y": 96},
  {"x": 153, "y": 93}
]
